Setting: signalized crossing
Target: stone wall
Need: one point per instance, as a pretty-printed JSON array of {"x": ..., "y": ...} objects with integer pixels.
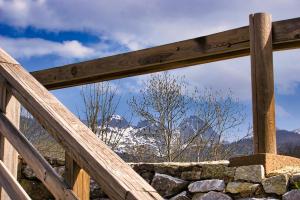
[{"x": 194, "y": 181}]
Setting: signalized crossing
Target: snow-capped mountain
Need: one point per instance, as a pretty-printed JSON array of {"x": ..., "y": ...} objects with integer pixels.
[
  {"x": 118, "y": 121},
  {"x": 297, "y": 130}
]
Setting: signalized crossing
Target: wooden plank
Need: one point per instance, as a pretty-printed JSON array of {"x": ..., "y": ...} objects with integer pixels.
[
  {"x": 262, "y": 83},
  {"x": 9, "y": 156},
  {"x": 220, "y": 46},
  {"x": 117, "y": 179},
  {"x": 11, "y": 185},
  {"x": 77, "y": 178},
  {"x": 42, "y": 169}
]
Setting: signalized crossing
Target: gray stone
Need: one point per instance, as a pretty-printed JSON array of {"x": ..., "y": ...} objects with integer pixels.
[
  {"x": 276, "y": 184},
  {"x": 191, "y": 175},
  {"x": 167, "y": 185},
  {"x": 252, "y": 173},
  {"x": 295, "y": 180},
  {"x": 241, "y": 187},
  {"x": 291, "y": 195},
  {"x": 207, "y": 185},
  {"x": 258, "y": 199},
  {"x": 28, "y": 172},
  {"x": 212, "y": 196},
  {"x": 217, "y": 171},
  {"x": 181, "y": 196}
]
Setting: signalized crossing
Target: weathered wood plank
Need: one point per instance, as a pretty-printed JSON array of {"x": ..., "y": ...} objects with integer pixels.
[
  {"x": 117, "y": 179},
  {"x": 42, "y": 169},
  {"x": 220, "y": 46},
  {"x": 262, "y": 83},
  {"x": 11, "y": 107},
  {"x": 11, "y": 185},
  {"x": 77, "y": 178}
]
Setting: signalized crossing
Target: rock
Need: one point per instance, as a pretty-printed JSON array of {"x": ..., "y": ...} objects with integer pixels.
[
  {"x": 241, "y": 187},
  {"x": 291, "y": 195},
  {"x": 181, "y": 196},
  {"x": 252, "y": 173},
  {"x": 212, "y": 196},
  {"x": 295, "y": 181},
  {"x": 207, "y": 185},
  {"x": 28, "y": 172},
  {"x": 217, "y": 171},
  {"x": 276, "y": 184},
  {"x": 258, "y": 199},
  {"x": 191, "y": 175},
  {"x": 167, "y": 185}
]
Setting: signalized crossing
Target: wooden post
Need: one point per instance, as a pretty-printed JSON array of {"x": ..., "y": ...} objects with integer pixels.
[
  {"x": 9, "y": 156},
  {"x": 262, "y": 83},
  {"x": 77, "y": 178}
]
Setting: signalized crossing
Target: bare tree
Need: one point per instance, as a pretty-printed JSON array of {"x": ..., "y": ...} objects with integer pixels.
[
  {"x": 165, "y": 102},
  {"x": 39, "y": 137},
  {"x": 100, "y": 104}
]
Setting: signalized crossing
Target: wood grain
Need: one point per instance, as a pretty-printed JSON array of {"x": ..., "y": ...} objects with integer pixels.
[
  {"x": 11, "y": 185},
  {"x": 42, "y": 169},
  {"x": 11, "y": 107},
  {"x": 117, "y": 179},
  {"x": 219, "y": 46},
  {"x": 262, "y": 83},
  {"x": 77, "y": 178}
]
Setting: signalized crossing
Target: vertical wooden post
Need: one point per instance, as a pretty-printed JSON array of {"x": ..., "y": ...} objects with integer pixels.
[
  {"x": 11, "y": 107},
  {"x": 77, "y": 178},
  {"x": 262, "y": 83}
]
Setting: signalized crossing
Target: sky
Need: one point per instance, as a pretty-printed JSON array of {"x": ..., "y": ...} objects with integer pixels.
[{"x": 42, "y": 34}]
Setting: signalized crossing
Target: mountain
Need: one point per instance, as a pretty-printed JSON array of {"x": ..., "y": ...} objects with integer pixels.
[
  {"x": 191, "y": 125},
  {"x": 297, "y": 130},
  {"x": 144, "y": 135},
  {"x": 288, "y": 143},
  {"x": 118, "y": 121}
]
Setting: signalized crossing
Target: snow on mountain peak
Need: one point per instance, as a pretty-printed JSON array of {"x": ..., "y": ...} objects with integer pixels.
[{"x": 116, "y": 117}]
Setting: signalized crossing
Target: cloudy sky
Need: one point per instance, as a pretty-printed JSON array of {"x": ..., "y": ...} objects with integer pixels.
[{"x": 42, "y": 34}]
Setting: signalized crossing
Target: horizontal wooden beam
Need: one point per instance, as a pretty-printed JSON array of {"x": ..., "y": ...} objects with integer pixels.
[
  {"x": 36, "y": 161},
  {"x": 220, "y": 46},
  {"x": 118, "y": 180},
  {"x": 11, "y": 186}
]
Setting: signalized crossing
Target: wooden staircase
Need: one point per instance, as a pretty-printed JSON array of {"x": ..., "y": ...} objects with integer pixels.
[{"x": 116, "y": 178}]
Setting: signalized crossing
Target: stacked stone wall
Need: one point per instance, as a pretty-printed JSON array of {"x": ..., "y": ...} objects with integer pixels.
[{"x": 193, "y": 181}]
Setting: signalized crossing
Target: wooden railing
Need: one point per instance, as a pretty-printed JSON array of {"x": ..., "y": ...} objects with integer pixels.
[
  {"x": 83, "y": 148},
  {"x": 116, "y": 178}
]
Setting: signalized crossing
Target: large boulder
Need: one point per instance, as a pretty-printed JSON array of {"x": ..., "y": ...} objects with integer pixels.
[
  {"x": 241, "y": 187},
  {"x": 207, "y": 185},
  {"x": 252, "y": 173},
  {"x": 167, "y": 185},
  {"x": 291, "y": 195},
  {"x": 276, "y": 184}
]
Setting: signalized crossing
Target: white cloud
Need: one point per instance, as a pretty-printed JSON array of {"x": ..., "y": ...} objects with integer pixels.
[
  {"x": 25, "y": 47},
  {"x": 143, "y": 23}
]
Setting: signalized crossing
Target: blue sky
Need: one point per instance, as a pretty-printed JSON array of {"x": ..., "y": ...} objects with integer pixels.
[{"x": 42, "y": 34}]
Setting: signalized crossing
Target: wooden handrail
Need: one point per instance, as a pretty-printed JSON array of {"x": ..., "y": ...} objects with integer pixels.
[
  {"x": 219, "y": 46},
  {"x": 11, "y": 185},
  {"x": 118, "y": 180},
  {"x": 43, "y": 170}
]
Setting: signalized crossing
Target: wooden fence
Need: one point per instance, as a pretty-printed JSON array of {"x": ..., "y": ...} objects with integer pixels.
[{"x": 85, "y": 151}]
